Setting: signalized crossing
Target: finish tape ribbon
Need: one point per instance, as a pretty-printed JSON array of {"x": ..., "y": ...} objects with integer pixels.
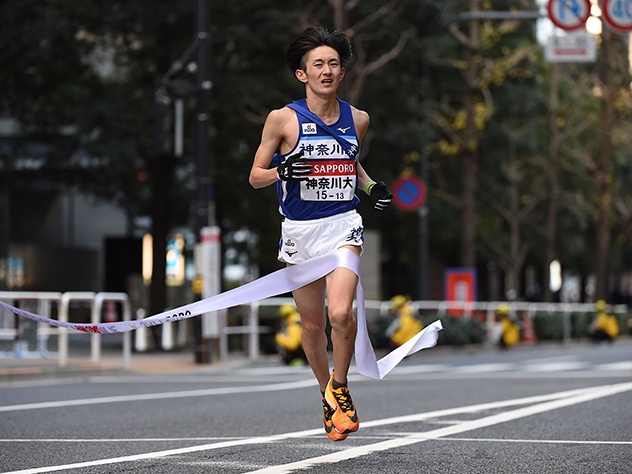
[{"x": 279, "y": 282}]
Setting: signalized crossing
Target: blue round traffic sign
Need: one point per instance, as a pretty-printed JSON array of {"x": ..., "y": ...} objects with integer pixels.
[
  {"x": 409, "y": 193},
  {"x": 618, "y": 14}
]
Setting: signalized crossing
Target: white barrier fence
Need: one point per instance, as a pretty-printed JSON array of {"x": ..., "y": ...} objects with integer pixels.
[
  {"x": 523, "y": 312},
  {"x": 46, "y": 302},
  {"x": 11, "y": 330}
]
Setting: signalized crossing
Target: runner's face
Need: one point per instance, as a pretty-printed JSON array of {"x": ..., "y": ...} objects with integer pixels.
[{"x": 323, "y": 71}]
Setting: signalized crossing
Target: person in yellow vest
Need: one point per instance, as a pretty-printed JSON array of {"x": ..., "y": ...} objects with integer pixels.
[
  {"x": 288, "y": 338},
  {"x": 509, "y": 332},
  {"x": 605, "y": 327},
  {"x": 405, "y": 325}
]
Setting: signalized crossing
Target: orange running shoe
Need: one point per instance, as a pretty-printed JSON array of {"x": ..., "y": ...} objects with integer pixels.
[
  {"x": 345, "y": 417},
  {"x": 328, "y": 413}
]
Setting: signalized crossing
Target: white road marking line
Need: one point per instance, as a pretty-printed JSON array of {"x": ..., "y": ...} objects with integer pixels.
[
  {"x": 420, "y": 369},
  {"x": 555, "y": 367},
  {"x": 481, "y": 368},
  {"x": 143, "y": 456},
  {"x": 540, "y": 441},
  {"x": 546, "y": 402},
  {"x": 592, "y": 394},
  {"x": 561, "y": 365},
  {"x": 626, "y": 365},
  {"x": 163, "y": 396},
  {"x": 555, "y": 359},
  {"x": 118, "y": 440}
]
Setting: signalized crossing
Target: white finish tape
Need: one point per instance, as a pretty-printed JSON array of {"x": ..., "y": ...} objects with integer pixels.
[{"x": 282, "y": 281}]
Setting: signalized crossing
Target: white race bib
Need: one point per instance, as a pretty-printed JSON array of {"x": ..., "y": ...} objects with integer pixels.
[{"x": 330, "y": 181}]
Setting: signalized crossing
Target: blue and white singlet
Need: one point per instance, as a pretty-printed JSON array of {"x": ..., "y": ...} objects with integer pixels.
[{"x": 331, "y": 186}]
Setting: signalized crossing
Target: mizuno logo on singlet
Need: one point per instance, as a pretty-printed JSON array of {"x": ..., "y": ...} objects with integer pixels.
[{"x": 344, "y": 130}]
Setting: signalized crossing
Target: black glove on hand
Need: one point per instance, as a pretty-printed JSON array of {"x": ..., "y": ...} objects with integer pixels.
[
  {"x": 380, "y": 195},
  {"x": 294, "y": 168}
]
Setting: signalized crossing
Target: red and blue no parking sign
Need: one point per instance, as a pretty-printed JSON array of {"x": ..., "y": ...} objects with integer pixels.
[
  {"x": 409, "y": 193},
  {"x": 569, "y": 14}
]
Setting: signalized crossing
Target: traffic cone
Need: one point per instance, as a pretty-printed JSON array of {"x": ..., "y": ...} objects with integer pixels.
[
  {"x": 528, "y": 334},
  {"x": 110, "y": 315}
]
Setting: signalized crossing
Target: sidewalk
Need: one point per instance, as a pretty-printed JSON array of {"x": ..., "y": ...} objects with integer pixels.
[
  {"x": 163, "y": 362},
  {"x": 14, "y": 369}
]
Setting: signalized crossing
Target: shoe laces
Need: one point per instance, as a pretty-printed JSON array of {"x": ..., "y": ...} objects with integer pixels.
[
  {"x": 344, "y": 399},
  {"x": 327, "y": 410}
]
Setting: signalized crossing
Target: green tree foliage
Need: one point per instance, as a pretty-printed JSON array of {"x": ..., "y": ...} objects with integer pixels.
[{"x": 81, "y": 78}]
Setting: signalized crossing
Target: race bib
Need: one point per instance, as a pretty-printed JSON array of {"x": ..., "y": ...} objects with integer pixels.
[{"x": 330, "y": 181}]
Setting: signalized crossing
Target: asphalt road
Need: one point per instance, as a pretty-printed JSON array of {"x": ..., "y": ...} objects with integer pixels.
[{"x": 541, "y": 409}]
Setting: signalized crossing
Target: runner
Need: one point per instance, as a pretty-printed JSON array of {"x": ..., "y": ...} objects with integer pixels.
[{"x": 309, "y": 149}]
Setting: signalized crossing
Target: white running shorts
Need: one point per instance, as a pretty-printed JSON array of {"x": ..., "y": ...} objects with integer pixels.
[{"x": 302, "y": 240}]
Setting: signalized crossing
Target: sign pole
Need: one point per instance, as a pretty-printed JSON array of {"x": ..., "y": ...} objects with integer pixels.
[{"x": 422, "y": 222}]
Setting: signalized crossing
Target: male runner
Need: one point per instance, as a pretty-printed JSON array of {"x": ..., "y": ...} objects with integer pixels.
[{"x": 309, "y": 149}]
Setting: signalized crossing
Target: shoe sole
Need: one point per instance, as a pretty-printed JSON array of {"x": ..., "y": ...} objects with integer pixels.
[{"x": 334, "y": 435}]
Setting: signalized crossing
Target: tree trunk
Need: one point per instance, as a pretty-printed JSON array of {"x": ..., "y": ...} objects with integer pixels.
[
  {"x": 550, "y": 232},
  {"x": 468, "y": 206},
  {"x": 604, "y": 165},
  {"x": 340, "y": 22}
]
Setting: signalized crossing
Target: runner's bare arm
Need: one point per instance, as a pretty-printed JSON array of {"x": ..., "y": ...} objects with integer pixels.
[
  {"x": 275, "y": 134},
  {"x": 361, "y": 121}
]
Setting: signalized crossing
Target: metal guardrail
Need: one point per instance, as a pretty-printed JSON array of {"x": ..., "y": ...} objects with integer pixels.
[
  {"x": 45, "y": 300},
  {"x": 525, "y": 311},
  {"x": 252, "y": 329},
  {"x": 10, "y": 329}
]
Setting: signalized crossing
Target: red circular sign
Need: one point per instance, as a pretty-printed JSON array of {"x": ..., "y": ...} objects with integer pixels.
[
  {"x": 618, "y": 14},
  {"x": 409, "y": 193},
  {"x": 569, "y": 14}
]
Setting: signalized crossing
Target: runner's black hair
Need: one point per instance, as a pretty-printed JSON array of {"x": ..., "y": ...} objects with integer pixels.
[{"x": 313, "y": 37}]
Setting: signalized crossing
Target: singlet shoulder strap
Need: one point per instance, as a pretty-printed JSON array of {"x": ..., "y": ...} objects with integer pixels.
[{"x": 300, "y": 107}]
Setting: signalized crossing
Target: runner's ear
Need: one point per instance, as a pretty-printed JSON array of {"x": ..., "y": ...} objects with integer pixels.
[{"x": 300, "y": 75}]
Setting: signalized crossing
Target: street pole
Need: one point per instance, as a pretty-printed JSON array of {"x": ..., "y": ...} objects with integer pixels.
[
  {"x": 205, "y": 208},
  {"x": 204, "y": 200},
  {"x": 423, "y": 260}
]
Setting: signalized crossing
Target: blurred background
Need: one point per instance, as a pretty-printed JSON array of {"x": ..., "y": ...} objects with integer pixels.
[{"x": 502, "y": 127}]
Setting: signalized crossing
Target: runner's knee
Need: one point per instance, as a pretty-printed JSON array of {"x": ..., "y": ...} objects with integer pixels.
[{"x": 341, "y": 318}]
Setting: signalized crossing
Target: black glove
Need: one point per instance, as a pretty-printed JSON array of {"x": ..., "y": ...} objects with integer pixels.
[
  {"x": 294, "y": 168},
  {"x": 380, "y": 195}
]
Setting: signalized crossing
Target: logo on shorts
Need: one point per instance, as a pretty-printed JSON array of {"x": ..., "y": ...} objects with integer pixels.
[
  {"x": 291, "y": 244},
  {"x": 356, "y": 234},
  {"x": 309, "y": 129}
]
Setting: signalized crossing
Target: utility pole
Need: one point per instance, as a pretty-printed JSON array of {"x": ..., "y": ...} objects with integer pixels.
[
  {"x": 205, "y": 206},
  {"x": 204, "y": 196}
]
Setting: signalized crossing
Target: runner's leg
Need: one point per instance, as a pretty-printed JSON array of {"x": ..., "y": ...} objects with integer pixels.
[
  {"x": 310, "y": 302},
  {"x": 341, "y": 287}
]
